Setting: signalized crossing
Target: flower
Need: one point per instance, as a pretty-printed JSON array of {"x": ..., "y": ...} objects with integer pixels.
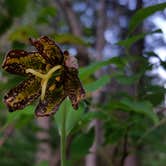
[{"x": 51, "y": 74}]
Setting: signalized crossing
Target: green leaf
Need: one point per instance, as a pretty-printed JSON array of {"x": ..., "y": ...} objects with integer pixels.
[
  {"x": 155, "y": 94},
  {"x": 102, "y": 81},
  {"x": 69, "y": 39},
  {"x": 81, "y": 144},
  {"x": 163, "y": 64},
  {"x": 72, "y": 116},
  {"x": 126, "y": 80},
  {"x": 23, "y": 33},
  {"x": 45, "y": 14},
  {"x": 43, "y": 163},
  {"x": 151, "y": 54},
  {"x": 85, "y": 72},
  {"x": 114, "y": 130},
  {"x": 94, "y": 115},
  {"x": 5, "y": 23},
  {"x": 89, "y": 70},
  {"x": 14, "y": 116},
  {"x": 141, "y": 107},
  {"x": 131, "y": 40},
  {"x": 16, "y": 7},
  {"x": 143, "y": 13}
]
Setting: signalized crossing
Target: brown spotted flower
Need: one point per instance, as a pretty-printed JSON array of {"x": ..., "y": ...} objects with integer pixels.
[{"x": 51, "y": 75}]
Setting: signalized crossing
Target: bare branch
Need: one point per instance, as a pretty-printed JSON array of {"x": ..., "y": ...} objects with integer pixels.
[
  {"x": 75, "y": 28},
  {"x": 100, "y": 41},
  {"x": 8, "y": 131},
  {"x": 72, "y": 20}
]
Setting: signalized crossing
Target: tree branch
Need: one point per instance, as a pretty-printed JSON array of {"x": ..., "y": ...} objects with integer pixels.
[
  {"x": 75, "y": 28},
  {"x": 44, "y": 149},
  {"x": 100, "y": 41},
  {"x": 91, "y": 159},
  {"x": 8, "y": 131}
]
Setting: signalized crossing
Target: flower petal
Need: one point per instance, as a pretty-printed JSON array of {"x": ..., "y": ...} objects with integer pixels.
[
  {"x": 50, "y": 104},
  {"x": 70, "y": 61},
  {"x": 17, "y": 61},
  {"x": 49, "y": 50},
  {"x": 73, "y": 87},
  {"x": 23, "y": 94}
]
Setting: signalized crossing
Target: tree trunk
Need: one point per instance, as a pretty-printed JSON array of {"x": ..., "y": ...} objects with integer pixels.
[
  {"x": 137, "y": 49},
  {"x": 43, "y": 136},
  {"x": 92, "y": 159},
  {"x": 76, "y": 29}
]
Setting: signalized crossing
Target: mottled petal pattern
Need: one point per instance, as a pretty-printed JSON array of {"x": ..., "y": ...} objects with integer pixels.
[
  {"x": 17, "y": 61},
  {"x": 73, "y": 87},
  {"x": 52, "y": 75},
  {"x": 23, "y": 94},
  {"x": 49, "y": 50},
  {"x": 50, "y": 104}
]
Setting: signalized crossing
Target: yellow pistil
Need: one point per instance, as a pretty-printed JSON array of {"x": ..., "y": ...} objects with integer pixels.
[{"x": 44, "y": 77}]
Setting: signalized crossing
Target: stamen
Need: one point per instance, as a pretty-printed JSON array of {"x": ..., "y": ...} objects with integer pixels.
[
  {"x": 35, "y": 73},
  {"x": 44, "y": 77},
  {"x": 53, "y": 70}
]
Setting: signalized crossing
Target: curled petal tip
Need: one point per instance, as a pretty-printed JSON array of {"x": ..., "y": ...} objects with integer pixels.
[{"x": 71, "y": 62}]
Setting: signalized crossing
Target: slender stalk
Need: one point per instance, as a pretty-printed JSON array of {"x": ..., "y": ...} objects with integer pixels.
[{"x": 63, "y": 135}]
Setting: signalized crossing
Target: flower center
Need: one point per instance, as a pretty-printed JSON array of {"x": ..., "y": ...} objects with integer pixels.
[{"x": 44, "y": 77}]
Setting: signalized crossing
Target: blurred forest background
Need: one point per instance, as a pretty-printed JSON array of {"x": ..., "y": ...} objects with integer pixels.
[{"x": 121, "y": 51}]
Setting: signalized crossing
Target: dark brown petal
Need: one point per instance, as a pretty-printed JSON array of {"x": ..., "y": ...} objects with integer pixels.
[
  {"x": 73, "y": 87},
  {"x": 53, "y": 98},
  {"x": 18, "y": 61},
  {"x": 23, "y": 94},
  {"x": 49, "y": 50}
]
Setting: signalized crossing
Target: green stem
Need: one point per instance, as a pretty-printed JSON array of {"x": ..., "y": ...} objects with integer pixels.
[{"x": 63, "y": 136}]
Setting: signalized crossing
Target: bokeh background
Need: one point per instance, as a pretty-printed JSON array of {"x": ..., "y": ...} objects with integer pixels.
[{"x": 122, "y": 67}]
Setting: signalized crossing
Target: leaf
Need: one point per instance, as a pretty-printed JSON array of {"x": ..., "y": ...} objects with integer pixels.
[
  {"x": 94, "y": 115},
  {"x": 126, "y": 80},
  {"x": 114, "y": 130},
  {"x": 23, "y": 33},
  {"x": 43, "y": 163},
  {"x": 159, "y": 147},
  {"x": 72, "y": 116},
  {"x": 131, "y": 40},
  {"x": 45, "y": 14},
  {"x": 14, "y": 116},
  {"x": 163, "y": 64},
  {"x": 85, "y": 72},
  {"x": 151, "y": 54},
  {"x": 142, "y": 107},
  {"x": 143, "y": 13},
  {"x": 102, "y": 81},
  {"x": 81, "y": 144},
  {"x": 16, "y": 7},
  {"x": 5, "y": 23},
  {"x": 89, "y": 70},
  {"x": 155, "y": 94},
  {"x": 69, "y": 39}
]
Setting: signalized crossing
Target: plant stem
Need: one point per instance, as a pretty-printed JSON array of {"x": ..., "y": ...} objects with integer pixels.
[{"x": 63, "y": 136}]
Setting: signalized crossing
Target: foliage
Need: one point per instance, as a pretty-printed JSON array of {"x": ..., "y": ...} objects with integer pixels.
[
  {"x": 143, "y": 13},
  {"x": 123, "y": 114}
]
